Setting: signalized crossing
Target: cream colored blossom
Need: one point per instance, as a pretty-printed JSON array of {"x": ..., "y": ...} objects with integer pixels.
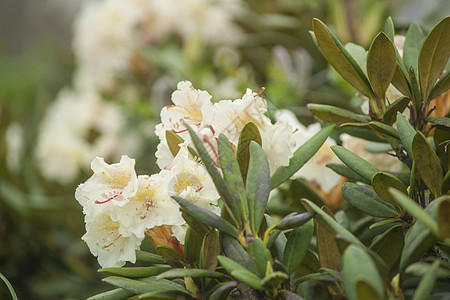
[
  {"x": 276, "y": 146},
  {"x": 105, "y": 242}
]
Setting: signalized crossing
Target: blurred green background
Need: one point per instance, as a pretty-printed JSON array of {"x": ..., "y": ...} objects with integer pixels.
[{"x": 41, "y": 224}]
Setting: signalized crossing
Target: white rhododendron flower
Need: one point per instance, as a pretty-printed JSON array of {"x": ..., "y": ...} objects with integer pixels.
[
  {"x": 105, "y": 242},
  {"x": 275, "y": 143},
  {"x": 111, "y": 185}
]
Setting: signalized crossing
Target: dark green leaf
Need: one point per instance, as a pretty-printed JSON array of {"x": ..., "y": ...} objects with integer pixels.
[
  {"x": 240, "y": 273},
  {"x": 294, "y": 220},
  {"x": 335, "y": 115},
  {"x": 427, "y": 282},
  {"x": 233, "y": 179},
  {"x": 329, "y": 223},
  {"x": 309, "y": 265},
  {"x": 260, "y": 255},
  {"x": 134, "y": 271},
  {"x": 340, "y": 59},
  {"x": 384, "y": 129},
  {"x": 192, "y": 245},
  {"x": 248, "y": 134},
  {"x": 301, "y": 187},
  {"x": 400, "y": 80},
  {"x": 446, "y": 183},
  {"x": 389, "y": 245},
  {"x": 170, "y": 255},
  {"x": 194, "y": 273},
  {"x": 222, "y": 292},
  {"x": 234, "y": 250},
  {"x": 414, "y": 89},
  {"x": 297, "y": 245},
  {"x": 140, "y": 287},
  {"x": 413, "y": 42},
  {"x": 381, "y": 66},
  {"x": 359, "y": 165},
  {"x": 116, "y": 294},
  {"x": 382, "y": 181},
  {"x": 427, "y": 163},
  {"x": 300, "y": 157},
  {"x": 442, "y": 143},
  {"x": 441, "y": 86},
  {"x": 434, "y": 55},
  {"x": 358, "y": 265},
  {"x": 398, "y": 105},
  {"x": 173, "y": 141},
  {"x": 346, "y": 172},
  {"x": 288, "y": 295},
  {"x": 272, "y": 281},
  {"x": 443, "y": 121},
  {"x": 406, "y": 132},
  {"x": 200, "y": 228},
  {"x": 443, "y": 217},
  {"x": 147, "y": 257},
  {"x": 257, "y": 186},
  {"x": 329, "y": 254},
  {"x": 365, "y": 199},
  {"x": 207, "y": 217},
  {"x": 210, "y": 250},
  {"x": 358, "y": 53}
]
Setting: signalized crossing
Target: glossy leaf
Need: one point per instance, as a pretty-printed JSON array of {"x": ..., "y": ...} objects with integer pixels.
[
  {"x": 222, "y": 292},
  {"x": 329, "y": 223},
  {"x": 365, "y": 199},
  {"x": 381, "y": 66},
  {"x": 346, "y": 172},
  {"x": 294, "y": 220},
  {"x": 382, "y": 181},
  {"x": 207, "y": 217},
  {"x": 240, "y": 273},
  {"x": 413, "y": 43},
  {"x": 399, "y": 105},
  {"x": 248, "y": 134},
  {"x": 443, "y": 217},
  {"x": 340, "y": 59},
  {"x": 134, "y": 271},
  {"x": 257, "y": 186},
  {"x": 357, "y": 265},
  {"x": 147, "y": 257},
  {"x": 194, "y": 273},
  {"x": 389, "y": 245},
  {"x": 300, "y": 157},
  {"x": 336, "y": 115},
  {"x": 427, "y": 163},
  {"x": 359, "y": 165},
  {"x": 233, "y": 178},
  {"x": 427, "y": 282},
  {"x": 406, "y": 132},
  {"x": 297, "y": 245},
  {"x": 384, "y": 129},
  {"x": 434, "y": 55},
  {"x": 116, "y": 294},
  {"x": 210, "y": 250}
]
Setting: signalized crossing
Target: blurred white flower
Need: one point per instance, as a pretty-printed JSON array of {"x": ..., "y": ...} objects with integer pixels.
[
  {"x": 14, "y": 138},
  {"x": 77, "y": 127},
  {"x": 104, "y": 240},
  {"x": 109, "y": 187}
]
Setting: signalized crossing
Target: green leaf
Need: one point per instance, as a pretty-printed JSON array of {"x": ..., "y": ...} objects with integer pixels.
[
  {"x": 192, "y": 245},
  {"x": 329, "y": 223},
  {"x": 357, "y": 265},
  {"x": 140, "y": 287},
  {"x": 248, "y": 134},
  {"x": 434, "y": 56},
  {"x": 260, "y": 255},
  {"x": 384, "y": 129},
  {"x": 365, "y": 291},
  {"x": 310, "y": 264},
  {"x": 170, "y": 255},
  {"x": 441, "y": 86},
  {"x": 389, "y": 29},
  {"x": 134, "y": 271},
  {"x": 427, "y": 163},
  {"x": 365, "y": 199},
  {"x": 389, "y": 245},
  {"x": 147, "y": 257},
  {"x": 327, "y": 247},
  {"x": 415, "y": 210},
  {"x": 442, "y": 143},
  {"x": 210, "y": 250},
  {"x": 173, "y": 141},
  {"x": 240, "y": 273},
  {"x": 233, "y": 179},
  {"x": 116, "y": 294},
  {"x": 401, "y": 81},
  {"x": 297, "y": 245},
  {"x": 443, "y": 121},
  {"x": 418, "y": 239},
  {"x": 346, "y": 172},
  {"x": 381, "y": 66},
  {"x": 9, "y": 286},
  {"x": 213, "y": 171},
  {"x": 427, "y": 282},
  {"x": 413, "y": 42},
  {"x": 207, "y": 217},
  {"x": 222, "y": 292},
  {"x": 272, "y": 281},
  {"x": 300, "y": 157},
  {"x": 294, "y": 220},
  {"x": 194, "y": 273},
  {"x": 382, "y": 181},
  {"x": 359, "y": 165},
  {"x": 257, "y": 186},
  {"x": 443, "y": 217},
  {"x": 234, "y": 250},
  {"x": 200, "y": 228},
  {"x": 398, "y": 105},
  {"x": 406, "y": 132},
  {"x": 300, "y": 186},
  {"x": 335, "y": 115},
  {"x": 446, "y": 183},
  {"x": 288, "y": 295},
  {"x": 358, "y": 53},
  {"x": 340, "y": 59}
]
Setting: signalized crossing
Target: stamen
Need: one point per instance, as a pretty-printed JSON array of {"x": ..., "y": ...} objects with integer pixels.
[
  {"x": 112, "y": 243},
  {"x": 179, "y": 131},
  {"x": 260, "y": 92},
  {"x": 107, "y": 200},
  {"x": 199, "y": 189}
]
